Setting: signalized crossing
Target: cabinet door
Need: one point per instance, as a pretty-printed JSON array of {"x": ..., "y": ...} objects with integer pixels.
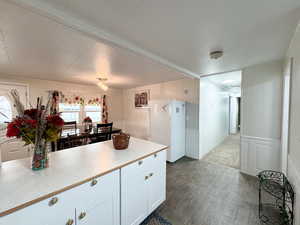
[
  {"x": 100, "y": 201},
  {"x": 134, "y": 192},
  {"x": 157, "y": 181},
  {"x": 58, "y": 210}
]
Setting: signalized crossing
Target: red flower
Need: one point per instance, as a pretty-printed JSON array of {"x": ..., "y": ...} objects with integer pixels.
[
  {"x": 32, "y": 113},
  {"x": 87, "y": 119},
  {"x": 13, "y": 128},
  {"x": 55, "y": 120}
]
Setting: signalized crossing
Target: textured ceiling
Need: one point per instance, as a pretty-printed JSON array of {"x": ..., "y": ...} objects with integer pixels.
[
  {"x": 184, "y": 32},
  {"x": 35, "y": 46}
]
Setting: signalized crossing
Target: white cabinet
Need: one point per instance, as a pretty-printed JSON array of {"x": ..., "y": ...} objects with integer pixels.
[
  {"x": 93, "y": 203},
  {"x": 58, "y": 210},
  {"x": 100, "y": 201},
  {"x": 157, "y": 181},
  {"x": 143, "y": 188},
  {"x": 127, "y": 196}
]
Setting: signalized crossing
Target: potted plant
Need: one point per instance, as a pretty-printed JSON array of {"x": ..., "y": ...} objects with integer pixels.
[
  {"x": 37, "y": 127},
  {"x": 88, "y": 124}
]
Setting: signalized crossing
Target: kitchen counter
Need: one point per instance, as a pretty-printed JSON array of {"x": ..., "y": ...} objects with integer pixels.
[{"x": 21, "y": 187}]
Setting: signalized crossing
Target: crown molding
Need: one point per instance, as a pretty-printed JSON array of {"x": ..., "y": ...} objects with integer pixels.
[{"x": 94, "y": 32}]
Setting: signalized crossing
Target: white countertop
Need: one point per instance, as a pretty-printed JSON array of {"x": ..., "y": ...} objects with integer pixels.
[{"x": 19, "y": 185}]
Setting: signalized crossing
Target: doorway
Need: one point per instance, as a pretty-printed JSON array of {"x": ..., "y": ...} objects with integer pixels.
[
  {"x": 11, "y": 148},
  {"x": 220, "y": 119}
]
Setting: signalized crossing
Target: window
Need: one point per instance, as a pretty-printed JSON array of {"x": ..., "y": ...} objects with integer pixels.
[
  {"x": 94, "y": 112},
  {"x": 76, "y": 112},
  {"x": 70, "y": 112},
  {"x": 5, "y": 109}
]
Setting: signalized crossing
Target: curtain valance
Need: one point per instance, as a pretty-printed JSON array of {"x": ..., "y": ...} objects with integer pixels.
[{"x": 79, "y": 99}]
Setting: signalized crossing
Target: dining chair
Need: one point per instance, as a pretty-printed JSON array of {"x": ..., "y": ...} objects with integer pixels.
[
  {"x": 71, "y": 126},
  {"x": 104, "y": 130}
]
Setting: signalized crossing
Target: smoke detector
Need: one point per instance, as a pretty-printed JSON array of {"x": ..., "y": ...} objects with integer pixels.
[{"x": 216, "y": 54}]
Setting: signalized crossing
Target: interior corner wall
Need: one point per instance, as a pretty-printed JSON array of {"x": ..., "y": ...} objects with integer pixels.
[
  {"x": 214, "y": 116},
  {"x": 261, "y": 116},
  {"x": 136, "y": 120},
  {"x": 294, "y": 123}
]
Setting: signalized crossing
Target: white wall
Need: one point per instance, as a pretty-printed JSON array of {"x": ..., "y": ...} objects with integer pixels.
[
  {"x": 262, "y": 100},
  {"x": 294, "y": 131},
  {"x": 261, "y": 111},
  {"x": 40, "y": 87},
  {"x": 214, "y": 116},
  {"x": 136, "y": 121}
]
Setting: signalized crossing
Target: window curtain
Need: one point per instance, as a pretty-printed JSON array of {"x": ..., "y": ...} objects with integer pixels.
[
  {"x": 54, "y": 102},
  {"x": 104, "y": 110}
]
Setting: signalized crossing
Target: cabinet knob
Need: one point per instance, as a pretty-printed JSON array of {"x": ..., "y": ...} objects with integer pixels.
[
  {"x": 146, "y": 177},
  {"x": 82, "y": 215},
  {"x": 94, "y": 182},
  {"x": 155, "y": 155},
  {"x": 53, "y": 201},
  {"x": 151, "y": 174},
  {"x": 70, "y": 222},
  {"x": 140, "y": 162}
]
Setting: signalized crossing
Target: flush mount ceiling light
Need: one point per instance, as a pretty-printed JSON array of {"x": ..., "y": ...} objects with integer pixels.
[
  {"x": 216, "y": 54},
  {"x": 101, "y": 83}
]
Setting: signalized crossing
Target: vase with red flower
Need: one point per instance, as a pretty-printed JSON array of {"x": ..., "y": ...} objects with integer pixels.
[
  {"x": 35, "y": 127},
  {"x": 88, "y": 124}
]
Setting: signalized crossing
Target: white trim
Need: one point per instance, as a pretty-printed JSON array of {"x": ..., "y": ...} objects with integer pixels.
[
  {"x": 94, "y": 32},
  {"x": 259, "y": 154},
  {"x": 260, "y": 138}
]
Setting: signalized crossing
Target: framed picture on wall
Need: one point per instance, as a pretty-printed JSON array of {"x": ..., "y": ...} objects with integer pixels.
[{"x": 141, "y": 99}]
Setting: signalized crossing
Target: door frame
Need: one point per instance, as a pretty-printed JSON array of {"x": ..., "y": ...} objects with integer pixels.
[
  {"x": 286, "y": 109},
  {"x": 18, "y": 84}
]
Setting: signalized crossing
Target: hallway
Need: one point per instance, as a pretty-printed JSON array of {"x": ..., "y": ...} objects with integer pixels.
[{"x": 227, "y": 153}]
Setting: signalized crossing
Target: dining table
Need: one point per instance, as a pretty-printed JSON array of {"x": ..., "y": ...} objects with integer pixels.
[{"x": 78, "y": 134}]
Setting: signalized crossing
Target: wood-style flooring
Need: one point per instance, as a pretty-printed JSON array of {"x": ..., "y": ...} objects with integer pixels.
[
  {"x": 227, "y": 153},
  {"x": 201, "y": 193}
]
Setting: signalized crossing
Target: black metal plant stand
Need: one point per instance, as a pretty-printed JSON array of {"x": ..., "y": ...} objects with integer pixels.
[{"x": 276, "y": 198}]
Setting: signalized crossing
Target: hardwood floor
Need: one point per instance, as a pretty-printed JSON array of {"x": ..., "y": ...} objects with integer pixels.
[{"x": 201, "y": 193}]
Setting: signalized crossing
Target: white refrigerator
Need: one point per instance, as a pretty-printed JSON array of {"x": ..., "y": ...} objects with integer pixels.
[{"x": 167, "y": 126}]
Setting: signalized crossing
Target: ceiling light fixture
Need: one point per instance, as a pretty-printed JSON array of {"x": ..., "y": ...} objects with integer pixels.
[
  {"x": 101, "y": 83},
  {"x": 216, "y": 54}
]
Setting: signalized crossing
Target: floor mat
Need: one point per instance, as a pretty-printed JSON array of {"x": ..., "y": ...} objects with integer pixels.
[{"x": 155, "y": 219}]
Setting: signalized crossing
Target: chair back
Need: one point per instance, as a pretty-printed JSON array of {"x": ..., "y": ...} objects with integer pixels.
[
  {"x": 71, "y": 125},
  {"x": 106, "y": 129}
]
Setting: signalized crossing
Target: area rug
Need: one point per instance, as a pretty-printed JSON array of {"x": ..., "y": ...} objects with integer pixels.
[{"x": 155, "y": 219}]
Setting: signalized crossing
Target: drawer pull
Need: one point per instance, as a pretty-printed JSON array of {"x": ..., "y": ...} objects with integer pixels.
[
  {"x": 70, "y": 222},
  {"x": 53, "y": 201},
  {"x": 82, "y": 215},
  {"x": 94, "y": 182},
  {"x": 140, "y": 162},
  {"x": 155, "y": 155},
  {"x": 151, "y": 174},
  {"x": 146, "y": 177}
]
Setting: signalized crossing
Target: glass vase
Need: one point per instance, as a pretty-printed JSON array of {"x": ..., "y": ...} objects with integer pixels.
[{"x": 40, "y": 158}]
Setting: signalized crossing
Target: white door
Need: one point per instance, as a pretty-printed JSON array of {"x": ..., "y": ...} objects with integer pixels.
[
  {"x": 157, "y": 181},
  {"x": 233, "y": 115},
  {"x": 177, "y": 148},
  {"x": 134, "y": 192},
  {"x": 11, "y": 148}
]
